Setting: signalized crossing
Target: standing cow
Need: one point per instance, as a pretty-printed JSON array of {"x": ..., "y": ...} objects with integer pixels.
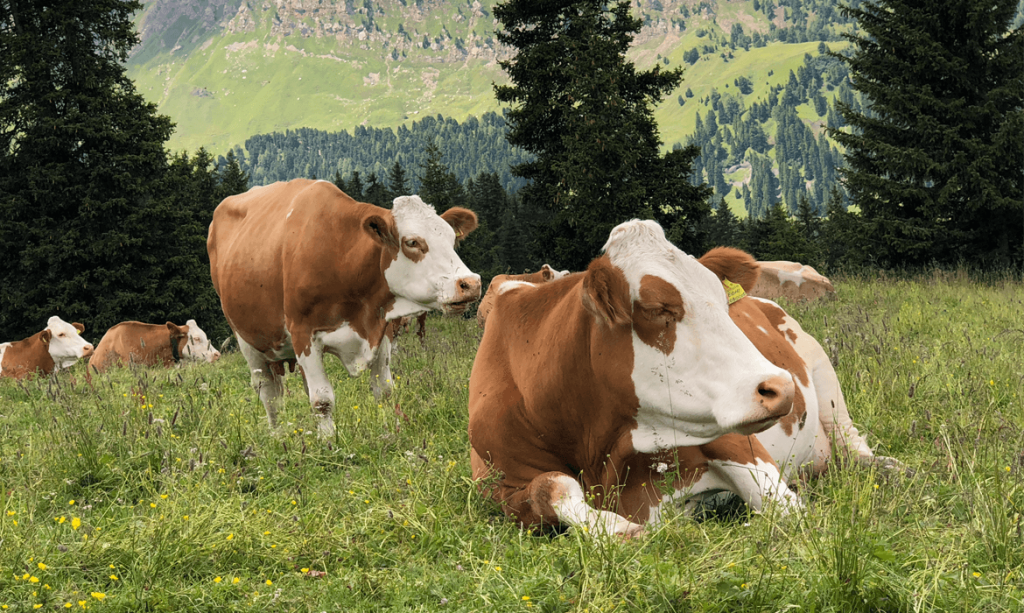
[
  {"x": 586, "y": 389},
  {"x": 152, "y": 344},
  {"x": 302, "y": 270},
  {"x": 56, "y": 347}
]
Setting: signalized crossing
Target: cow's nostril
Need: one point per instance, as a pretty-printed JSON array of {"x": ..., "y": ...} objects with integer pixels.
[{"x": 767, "y": 391}]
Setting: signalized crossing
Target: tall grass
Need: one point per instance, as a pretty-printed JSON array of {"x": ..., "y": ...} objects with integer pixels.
[{"x": 163, "y": 490}]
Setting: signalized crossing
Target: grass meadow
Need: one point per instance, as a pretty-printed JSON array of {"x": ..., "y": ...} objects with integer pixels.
[{"x": 163, "y": 490}]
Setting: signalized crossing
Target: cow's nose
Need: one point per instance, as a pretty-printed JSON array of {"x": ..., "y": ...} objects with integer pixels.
[
  {"x": 467, "y": 289},
  {"x": 775, "y": 395},
  {"x": 87, "y": 350},
  {"x": 773, "y": 399},
  {"x": 215, "y": 356}
]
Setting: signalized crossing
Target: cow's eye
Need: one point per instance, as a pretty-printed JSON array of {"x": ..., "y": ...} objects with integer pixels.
[
  {"x": 412, "y": 243},
  {"x": 61, "y": 335}
]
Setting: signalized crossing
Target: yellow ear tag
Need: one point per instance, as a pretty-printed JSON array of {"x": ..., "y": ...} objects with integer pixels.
[{"x": 733, "y": 291}]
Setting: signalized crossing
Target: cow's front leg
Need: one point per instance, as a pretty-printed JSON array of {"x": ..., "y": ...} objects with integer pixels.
[
  {"x": 321, "y": 392},
  {"x": 380, "y": 370},
  {"x": 741, "y": 464}
]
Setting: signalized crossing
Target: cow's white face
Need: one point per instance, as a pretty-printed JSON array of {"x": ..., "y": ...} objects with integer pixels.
[
  {"x": 427, "y": 271},
  {"x": 66, "y": 343},
  {"x": 198, "y": 347},
  {"x": 696, "y": 375}
]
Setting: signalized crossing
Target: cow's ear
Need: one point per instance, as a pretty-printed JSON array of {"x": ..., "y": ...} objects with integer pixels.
[
  {"x": 547, "y": 273},
  {"x": 176, "y": 330},
  {"x": 606, "y": 292},
  {"x": 463, "y": 221},
  {"x": 78, "y": 327},
  {"x": 737, "y": 266},
  {"x": 382, "y": 229},
  {"x": 45, "y": 336}
]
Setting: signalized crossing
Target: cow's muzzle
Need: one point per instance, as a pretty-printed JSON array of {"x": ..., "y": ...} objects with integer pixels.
[
  {"x": 773, "y": 400},
  {"x": 467, "y": 291}
]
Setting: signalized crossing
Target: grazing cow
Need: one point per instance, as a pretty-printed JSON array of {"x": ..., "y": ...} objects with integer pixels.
[
  {"x": 545, "y": 274},
  {"x": 57, "y": 347},
  {"x": 587, "y": 389},
  {"x": 792, "y": 281},
  {"x": 302, "y": 270},
  {"x": 133, "y": 342},
  {"x": 803, "y": 440}
]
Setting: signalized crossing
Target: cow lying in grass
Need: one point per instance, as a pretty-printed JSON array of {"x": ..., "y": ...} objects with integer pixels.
[
  {"x": 56, "y": 347},
  {"x": 133, "y": 342},
  {"x": 597, "y": 398}
]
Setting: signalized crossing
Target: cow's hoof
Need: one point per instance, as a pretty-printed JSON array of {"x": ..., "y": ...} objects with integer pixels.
[{"x": 325, "y": 426}]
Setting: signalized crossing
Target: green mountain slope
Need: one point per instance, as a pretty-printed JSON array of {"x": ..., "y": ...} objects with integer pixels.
[{"x": 228, "y": 69}]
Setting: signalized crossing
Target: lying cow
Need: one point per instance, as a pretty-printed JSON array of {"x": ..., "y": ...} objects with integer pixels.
[
  {"x": 587, "y": 389},
  {"x": 133, "y": 342},
  {"x": 792, "y": 281},
  {"x": 803, "y": 440},
  {"x": 545, "y": 274},
  {"x": 57, "y": 347},
  {"x": 302, "y": 270}
]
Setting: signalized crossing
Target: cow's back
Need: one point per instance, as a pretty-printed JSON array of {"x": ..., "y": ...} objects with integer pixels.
[
  {"x": 792, "y": 281},
  {"x": 25, "y": 358},
  {"x": 132, "y": 342}
]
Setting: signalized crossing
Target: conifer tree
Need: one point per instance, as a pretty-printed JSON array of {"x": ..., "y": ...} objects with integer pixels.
[
  {"x": 586, "y": 113},
  {"x": 935, "y": 164},
  {"x": 398, "y": 183},
  {"x": 83, "y": 227}
]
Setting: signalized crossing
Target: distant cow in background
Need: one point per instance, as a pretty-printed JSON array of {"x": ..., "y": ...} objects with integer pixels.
[
  {"x": 792, "y": 281},
  {"x": 133, "y": 342},
  {"x": 56, "y": 347},
  {"x": 545, "y": 274}
]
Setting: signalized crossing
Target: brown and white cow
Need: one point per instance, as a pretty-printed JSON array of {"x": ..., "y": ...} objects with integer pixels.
[
  {"x": 587, "y": 389},
  {"x": 303, "y": 270},
  {"x": 804, "y": 440},
  {"x": 792, "y": 281},
  {"x": 133, "y": 342},
  {"x": 56, "y": 347},
  {"x": 545, "y": 274}
]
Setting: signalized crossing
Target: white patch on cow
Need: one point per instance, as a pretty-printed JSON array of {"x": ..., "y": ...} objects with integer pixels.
[
  {"x": 706, "y": 387},
  {"x": 198, "y": 348},
  {"x": 404, "y": 308},
  {"x": 380, "y": 370},
  {"x": 511, "y": 285},
  {"x": 431, "y": 283},
  {"x": 3, "y": 348},
  {"x": 758, "y": 484},
  {"x": 66, "y": 345},
  {"x": 269, "y": 386},
  {"x": 795, "y": 277},
  {"x": 572, "y": 509},
  {"x": 353, "y": 350}
]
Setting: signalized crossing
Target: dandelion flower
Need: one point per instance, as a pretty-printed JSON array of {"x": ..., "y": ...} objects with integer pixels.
[
  {"x": 230, "y": 536},
  {"x": 526, "y": 597},
  {"x": 9, "y": 513},
  {"x": 113, "y": 577},
  {"x": 98, "y": 595},
  {"x": 235, "y": 581},
  {"x": 304, "y": 570},
  {"x": 217, "y": 579},
  {"x": 269, "y": 582},
  {"x": 41, "y": 566},
  {"x": 70, "y": 502},
  {"x": 75, "y": 523},
  {"x": 37, "y": 606},
  {"x": 33, "y": 579},
  {"x": 164, "y": 496},
  {"x": 976, "y": 574}
]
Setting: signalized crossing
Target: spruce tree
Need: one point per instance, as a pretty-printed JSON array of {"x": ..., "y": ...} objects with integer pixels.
[
  {"x": 439, "y": 187},
  {"x": 84, "y": 228},
  {"x": 935, "y": 163},
  {"x": 398, "y": 183},
  {"x": 586, "y": 113}
]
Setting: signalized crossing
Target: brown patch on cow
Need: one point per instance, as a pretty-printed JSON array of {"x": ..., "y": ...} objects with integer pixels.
[
  {"x": 796, "y": 417},
  {"x": 28, "y": 357},
  {"x": 483, "y": 311},
  {"x": 656, "y": 312},
  {"x": 732, "y": 264},
  {"x": 415, "y": 248},
  {"x": 78, "y": 326}
]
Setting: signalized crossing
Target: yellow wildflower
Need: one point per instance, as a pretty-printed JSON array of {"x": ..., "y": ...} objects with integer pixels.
[
  {"x": 217, "y": 579},
  {"x": 98, "y": 595}
]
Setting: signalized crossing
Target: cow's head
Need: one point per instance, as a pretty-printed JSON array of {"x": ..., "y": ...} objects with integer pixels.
[
  {"x": 66, "y": 345},
  {"x": 695, "y": 374},
  {"x": 197, "y": 347},
  {"x": 420, "y": 263}
]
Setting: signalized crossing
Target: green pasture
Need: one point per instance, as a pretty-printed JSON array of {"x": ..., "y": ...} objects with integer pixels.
[{"x": 164, "y": 490}]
